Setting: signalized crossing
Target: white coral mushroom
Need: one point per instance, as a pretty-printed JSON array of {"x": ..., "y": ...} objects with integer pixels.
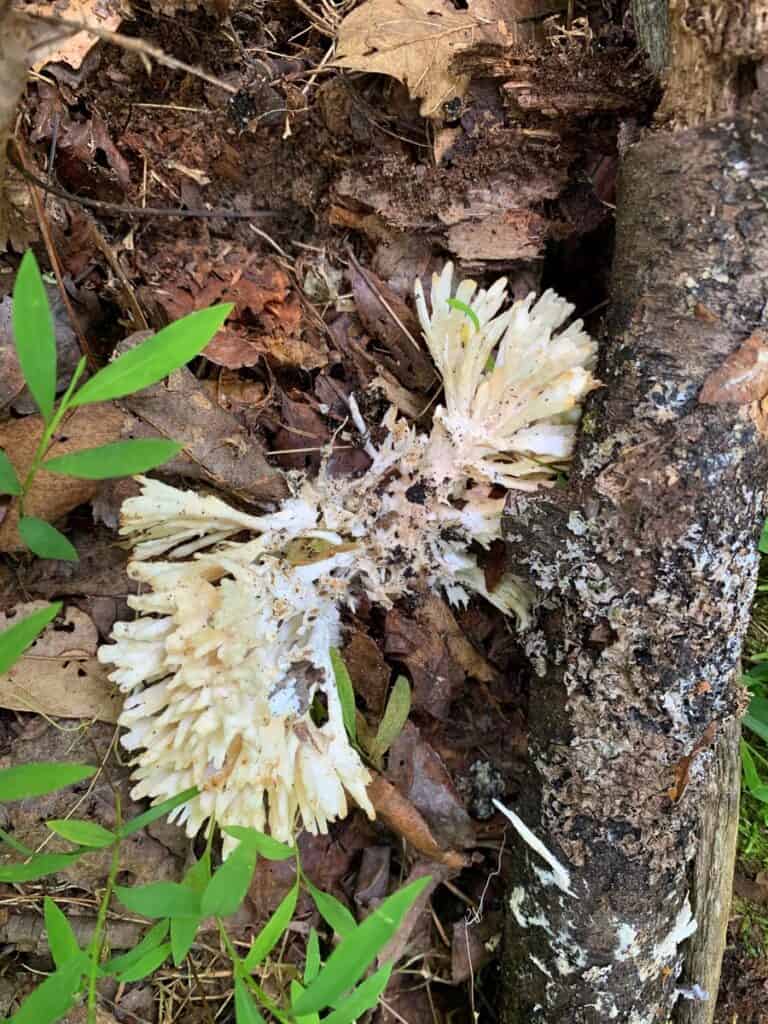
[
  {"x": 225, "y": 667},
  {"x": 511, "y": 385}
]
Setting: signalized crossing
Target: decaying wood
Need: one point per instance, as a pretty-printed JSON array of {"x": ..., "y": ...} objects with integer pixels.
[
  {"x": 712, "y": 880},
  {"x": 646, "y": 566}
]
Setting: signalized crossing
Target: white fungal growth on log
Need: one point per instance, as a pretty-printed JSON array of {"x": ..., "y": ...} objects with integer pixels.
[{"x": 227, "y": 672}]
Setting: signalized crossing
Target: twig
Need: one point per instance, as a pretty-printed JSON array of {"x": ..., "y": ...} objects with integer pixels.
[
  {"x": 138, "y": 211},
  {"x": 132, "y": 45},
  {"x": 45, "y": 231}
]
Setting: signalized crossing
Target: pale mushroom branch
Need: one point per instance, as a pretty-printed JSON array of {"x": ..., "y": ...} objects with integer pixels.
[{"x": 227, "y": 673}]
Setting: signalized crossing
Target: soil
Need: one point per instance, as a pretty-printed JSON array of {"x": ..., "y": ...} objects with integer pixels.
[{"x": 324, "y": 190}]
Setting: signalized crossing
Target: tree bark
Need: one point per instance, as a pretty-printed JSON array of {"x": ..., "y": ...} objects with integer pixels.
[{"x": 646, "y": 567}]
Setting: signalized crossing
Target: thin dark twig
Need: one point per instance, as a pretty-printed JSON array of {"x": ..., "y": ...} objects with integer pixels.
[
  {"x": 53, "y": 256},
  {"x": 137, "y": 211}
]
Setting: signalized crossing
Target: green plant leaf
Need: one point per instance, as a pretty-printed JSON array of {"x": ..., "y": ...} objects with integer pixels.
[
  {"x": 50, "y": 1001},
  {"x": 146, "y": 964},
  {"x": 297, "y": 990},
  {"x": 265, "y": 846},
  {"x": 184, "y": 929},
  {"x": 346, "y": 693},
  {"x": 751, "y": 774},
  {"x": 757, "y": 725},
  {"x": 9, "y": 482},
  {"x": 147, "y": 817},
  {"x": 33, "y": 334},
  {"x": 466, "y": 310},
  {"x": 763, "y": 545},
  {"x": 183, "y": 932},
  {"x": 121, "y": 458},
  {"x": 27, "y": 780},
  {"x": 15, "y": 844},
  {"x": 312, "y": 957},
  {"x": 39, "y": 867},
  {"x": 270, "y": 934},
  {"x": 160, "y": 899},
  {"x": 357, "y": 951},
  {"x": 45, "y": 540},
  {"x": 155, "y": 358},
  {"x": 61, "y": 938},
  {"x": 246, "y": 1011},
  {"x": 84, "y": 833},
  {"x": 332, "y": 911},
  {"x": 363, "y": 998},
  {"x": 395, "y": 716},
  {"x": 228, "y": 886},
  {"x": 15, "y": 640},
  {"x": 151, "y": 940}
]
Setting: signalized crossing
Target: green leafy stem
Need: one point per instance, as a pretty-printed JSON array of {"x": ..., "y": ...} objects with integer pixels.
[{"x": 142, "y": 366}]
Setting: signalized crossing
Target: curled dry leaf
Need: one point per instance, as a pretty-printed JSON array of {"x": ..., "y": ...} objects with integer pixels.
[
  {"x": 420, "y": 775},
  {"x": 59, "y": 676},
  {"x": 52, "y": 496},
  {"x": 217, "y": 448},
  {"x": 437, "y": 653},
  {"x": 742, "y": 377},
  {"x": 401, "y": 816},
  {"x": 414, "y": 41},
  {"x": 73, "y": 48},
  {"x": 390, "y": 321},
  {"x": 268, "y": 319}
]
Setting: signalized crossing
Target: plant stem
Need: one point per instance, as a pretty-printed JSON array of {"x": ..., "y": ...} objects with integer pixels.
[
  {"x": 237, "y": 965},
  {"x": 19, "y": 847},
  {"x": 45, "y": 440},
  {"x": 97, "y": 942}
]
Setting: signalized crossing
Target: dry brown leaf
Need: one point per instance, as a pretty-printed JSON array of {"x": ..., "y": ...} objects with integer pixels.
[
  {"x": 102, "y": 14},
  {"x": 414, "y": 41},
  {"x": 52, "y": 496},
  {"x": 59, "y": 675},
  {"x": 390, "y": 321},
  {"x": 742, "y": 377},
  {"x": 402, "y": 817},
  {"x": 437, "y": 654},
  {"x": 421, "y": 776}
]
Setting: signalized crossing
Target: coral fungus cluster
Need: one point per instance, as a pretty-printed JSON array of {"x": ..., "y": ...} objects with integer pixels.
[{"x": 227, "y": 672}]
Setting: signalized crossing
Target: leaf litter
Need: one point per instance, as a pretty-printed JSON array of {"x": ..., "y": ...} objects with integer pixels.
[{"x": 372, "y": 175}]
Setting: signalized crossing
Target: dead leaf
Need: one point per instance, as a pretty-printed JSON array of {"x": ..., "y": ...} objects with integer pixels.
[
  {"x": 437, "y": 654},
  {"x": 52, "y": 496},
  {"x": 422, "y": 778},
  {"x": 268, "y": 319},
  {"x": 414, "y": 41},
  {"x": 742, "y": 377},
  {"x": 373, "y": 877},
  {"x": 59, "y": 676},
  {"x": 387, "y": 318},
  {"x": 401, "y": 816},
  {"x": 13, "y": 391},
  {"x": 19, "y": 39},
  {"x": 400, "y": 941},
  {"x": 683, "y": 766},
  {"x": 102, "y": 14},
  {"x": 11, "y": 377},
  {"x": 142, "y": 857},
  {"x": 368, "y": 670},
  {"x": 217, "y": 448}
]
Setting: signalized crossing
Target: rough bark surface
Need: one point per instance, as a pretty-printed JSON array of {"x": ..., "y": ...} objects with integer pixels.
[{"x": 646, "y": 566}]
